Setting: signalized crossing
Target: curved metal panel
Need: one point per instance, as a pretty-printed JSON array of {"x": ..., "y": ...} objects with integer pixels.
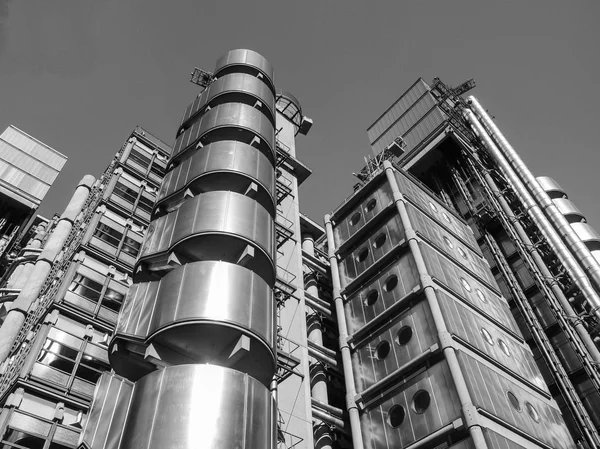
[
  {"x": 201, "y": 310},
  {"x": 568, "y": 209},
  {"x": 289, "y": 106},
  {"x": 233, "y": 83},
  {"x": 224, "y": 165},
  {"x": 249, "y": 58},
  {"x": 550, "y": 186},
  {"x": 188, "y": 406},
  {"x": 586, "y": 233},
  {"x": 223, "y": 123},
  {"x": 214, "y": 226}
]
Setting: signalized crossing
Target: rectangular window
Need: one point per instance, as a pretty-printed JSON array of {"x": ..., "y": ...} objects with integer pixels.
[{"x": 127, "y": 193}]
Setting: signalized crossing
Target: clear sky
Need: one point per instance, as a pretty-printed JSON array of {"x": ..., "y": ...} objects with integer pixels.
[{"x": 80, "y": 74}]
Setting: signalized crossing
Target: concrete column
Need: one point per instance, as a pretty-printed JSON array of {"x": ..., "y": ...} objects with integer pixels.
[{"x": 20, "y": 308}]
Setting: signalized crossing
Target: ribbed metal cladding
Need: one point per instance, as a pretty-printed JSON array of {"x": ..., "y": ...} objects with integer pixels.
[{"x": 202, "y": 305}]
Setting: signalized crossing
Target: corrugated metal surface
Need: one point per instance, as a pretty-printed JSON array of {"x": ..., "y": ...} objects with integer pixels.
[
  {"x": 528, "y": 411},
  {"x": 106, "y": 418},
  {"x": 375, "y": 298},
  {"x": 354, "y": 220},
  {"x": 436, "y": 210},
  {"x": 406, "y": 337},
  {"x": 27, "y": 166},
  {"x": 381, "y": 423},
  {"x": 497, "y": 441},
  {"x": 400, "y": 106},
  {"x": 409, "y": 118},
  {"x": 466, "y": 287},
  {"x": 490, "y": 340},
  {"x": 379, "y": 242},
  {"x": 450, "y": 246},
  {"x": 432, "y": 121}
]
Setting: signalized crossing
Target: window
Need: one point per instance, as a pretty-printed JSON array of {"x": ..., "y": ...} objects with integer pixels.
[
  {"x": 532, "y": 412},
  {"x": 462, "y": 252},
  {"x": 433, "y": 207},
  {"x": 504, "y": 347},
  {"x": 380, "y": 240},
  {"x": 390, "y": 283},
  {"x": 382, "y": 350},
  {"x": 421, "y": 401},
  {"x": 108, "y": 234},
  {"x": 481, "y": 296},
  {"x": 355, "y": 219},
  {"x": 446, "y": 217},
  {"x": 128, "y": 194},
  {"x": 404, "y": 335},
  {"x": 465, "y": 284},
  {"x": 486, "y": 336},
  {"x": 140, "y": 158},
  {"x": 395, "y": 416},
  {"x": 123, "y": 240},
  {"x": 514, "y": 402},
  {"x": 448, "y": 242},
  {"x": 93, "y": 290},
  {"x": 74, "y": 358},
  {"x": 371, "y": 205},
  {"x": 362, "y": 255},
  {"x": 371, "y": 298}
]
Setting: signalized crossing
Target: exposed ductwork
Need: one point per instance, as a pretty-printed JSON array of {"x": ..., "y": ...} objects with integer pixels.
[
  {"x": 581, "y": 252},
  {"x": 535, "y": 212}
]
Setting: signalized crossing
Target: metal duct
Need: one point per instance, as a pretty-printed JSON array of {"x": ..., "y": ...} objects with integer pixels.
[
  {"x": 552, "y": 237},
  {"x": 582, "y": 254},
  {"x": 203, "y": 291}
]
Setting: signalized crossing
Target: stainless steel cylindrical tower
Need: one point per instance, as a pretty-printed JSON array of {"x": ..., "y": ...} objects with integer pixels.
[{"x": 203, "y": 291}]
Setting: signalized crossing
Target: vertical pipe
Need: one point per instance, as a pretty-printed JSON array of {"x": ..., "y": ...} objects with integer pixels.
[
  {"x": 20, "y": 308},
  {"x": 357, "y": 440},
  {"x": 543, "y": 268},
  {"x": 318, "y": 380},
  {"x": 581, "y": 252},
  {"x": 466, "y": 403},
  {"x": 552, "y": 237}
]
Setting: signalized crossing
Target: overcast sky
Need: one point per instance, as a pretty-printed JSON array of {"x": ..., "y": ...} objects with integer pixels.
[{"x": 80, "y": 74}]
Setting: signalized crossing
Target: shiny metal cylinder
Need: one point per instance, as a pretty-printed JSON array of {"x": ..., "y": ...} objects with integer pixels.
[
  {"x": 191, "y": 406},
  {"x": 200, "y": 301},
  {"x": 576, "y": 247},
  {"x": 551, "y": 187},
  {"x": 213, "y": 226},
  {"x": 246, "y": 61},
  {"x": 239, "y": 87},
  {"x": 569, "y": 210},
  {"x": 541, "y": 221},
  {"x": 229, "y": 121},
  {"x": 224, "y": 165},
  {"x": 202, "y": 306}
]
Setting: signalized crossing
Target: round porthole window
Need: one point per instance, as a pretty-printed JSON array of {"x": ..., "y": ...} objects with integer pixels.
[
  {"x": 395, "y": 416},
  {"x": 390, "y": 283},
  {"x": 481, "y": 296},
  {"x": 433, "y": 207},
  {"x": 379, "y": 240},
  {"x": 532, "y": 412},
  {"x": 514, "y": 402},
  {"x": 448, "y": 242},
  {"x": 465, "y": 284},
  {"x": 462, "y": 252},
  {"x": 355, "y": 219},
  {"x": 404, "y": 335},
  {"x": 421, "y": 401},
  {"x": 487, "y": 336},
  {"x": 504, "y": 347},
  {"x": 371, "y": 205},
  {"x": 362, "y": 255},
  {"x": 371, "y": 298},
  {"x": 446, "y": 217},
  {"x": 382, "y": 350}
]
